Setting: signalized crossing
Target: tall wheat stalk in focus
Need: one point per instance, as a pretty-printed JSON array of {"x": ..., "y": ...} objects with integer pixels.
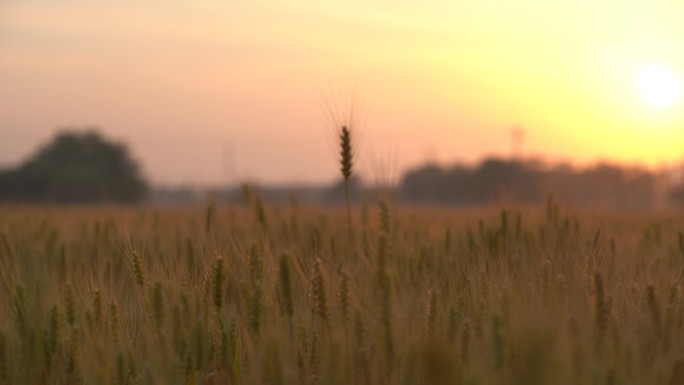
[{"x": 344, "y": 123}]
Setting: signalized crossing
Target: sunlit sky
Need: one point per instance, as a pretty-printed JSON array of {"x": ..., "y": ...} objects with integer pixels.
[{"x": 215, "y": 91}]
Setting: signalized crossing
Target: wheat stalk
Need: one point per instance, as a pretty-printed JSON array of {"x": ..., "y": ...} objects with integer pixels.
[
  {"x": 4, "y": 371},
  {"x": 217, "y": 283},
  {"x": 285, "y": 286},
  {"x": 345, "y": 127}
]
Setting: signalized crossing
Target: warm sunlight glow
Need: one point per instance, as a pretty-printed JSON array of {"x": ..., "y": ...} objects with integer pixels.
[
  {"x": 226, "y": 83},
  {"x": 659, "y": 86}
]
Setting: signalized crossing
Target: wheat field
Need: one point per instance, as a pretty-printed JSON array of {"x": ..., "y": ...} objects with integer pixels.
[{"x": 260, "y": 294}]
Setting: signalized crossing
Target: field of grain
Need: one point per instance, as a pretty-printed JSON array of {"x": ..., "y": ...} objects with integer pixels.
[{"x": 257, "y": 294}]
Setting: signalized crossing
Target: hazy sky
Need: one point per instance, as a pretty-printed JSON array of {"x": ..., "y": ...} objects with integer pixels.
[{"x": 206, "y": 91}]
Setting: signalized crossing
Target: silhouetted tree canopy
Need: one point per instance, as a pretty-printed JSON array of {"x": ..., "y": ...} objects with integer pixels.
[
  {"x": 76, "y": 167},
  {"x": 528, "y": 182},
  {"x": 675, "y": 193},
  {"x": 491, "y": 180}
]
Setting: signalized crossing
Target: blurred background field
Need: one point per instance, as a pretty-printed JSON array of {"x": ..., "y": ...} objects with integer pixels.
[{"x": 280, "y": 294}]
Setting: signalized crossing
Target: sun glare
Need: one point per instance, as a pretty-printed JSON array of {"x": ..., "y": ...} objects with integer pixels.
[{"x": 659, "y": 85}]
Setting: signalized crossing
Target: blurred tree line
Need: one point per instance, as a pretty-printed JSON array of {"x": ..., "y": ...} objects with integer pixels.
[
  {"x": 530, "y": 182},
  {"x": 81, "y": 166},
  {"x": 75, "y": 167}
]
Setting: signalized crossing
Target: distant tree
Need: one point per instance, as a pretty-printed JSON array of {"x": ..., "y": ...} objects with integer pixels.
[
  {"x": 496, "y": 179},
  {"x": 493, "y": 179},
  {"x": 76, "y": 167},
  {"x": 602, "y": 185},
  {"x": 676, "y": 194},
  {"x": 432, "y": 184},
  {"x": 421, "y": 185}
]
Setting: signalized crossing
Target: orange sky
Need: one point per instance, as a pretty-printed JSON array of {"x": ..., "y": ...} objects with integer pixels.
[{"x": 187, "y": 82}]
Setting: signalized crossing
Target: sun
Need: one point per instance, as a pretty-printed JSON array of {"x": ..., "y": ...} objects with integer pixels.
[{"x": 658, "y": 85}]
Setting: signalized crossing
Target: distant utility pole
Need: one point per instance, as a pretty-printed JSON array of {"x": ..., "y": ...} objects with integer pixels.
[
  {"x": 517, "y": 142},
  {"x": 430, "y": 154},
  {"x": 229, "y": 165}
]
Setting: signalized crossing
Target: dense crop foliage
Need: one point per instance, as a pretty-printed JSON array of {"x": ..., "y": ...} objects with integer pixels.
[{"x": 279, "y": 295}]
